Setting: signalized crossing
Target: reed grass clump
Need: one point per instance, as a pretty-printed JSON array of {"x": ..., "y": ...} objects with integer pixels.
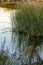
[{"x": 30, "y": 19}]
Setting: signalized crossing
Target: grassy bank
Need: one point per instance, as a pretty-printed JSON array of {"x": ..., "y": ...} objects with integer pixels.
[{"x": 18, "y": 5}]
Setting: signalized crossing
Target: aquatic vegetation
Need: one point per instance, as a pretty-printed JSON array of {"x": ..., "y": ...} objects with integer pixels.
[
  {"x": 28, "y": 23},
  {"x": 4, "y": 57},
  {"x": 29, "y": 20}
]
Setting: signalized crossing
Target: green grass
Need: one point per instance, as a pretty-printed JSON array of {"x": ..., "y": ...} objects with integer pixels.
[{"x": 30, "y": 19}]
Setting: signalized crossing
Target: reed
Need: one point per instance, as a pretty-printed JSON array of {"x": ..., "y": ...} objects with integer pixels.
[{"x": 30, "y": 19}]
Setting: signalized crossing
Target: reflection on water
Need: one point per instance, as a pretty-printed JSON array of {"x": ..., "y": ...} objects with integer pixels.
[
  {"x": 5, "y": 28},
  {"x": 16, "y": 44}
]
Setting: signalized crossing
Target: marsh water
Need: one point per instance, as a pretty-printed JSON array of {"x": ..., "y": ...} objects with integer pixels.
[{"x": 14, "y": 44}]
